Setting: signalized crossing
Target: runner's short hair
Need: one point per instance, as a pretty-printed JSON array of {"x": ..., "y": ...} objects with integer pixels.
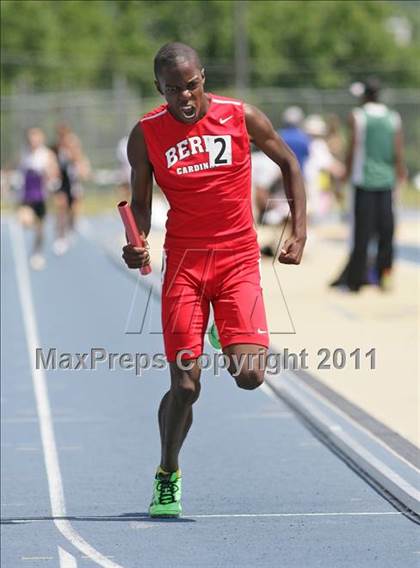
[{"x": 173, "y": 53}]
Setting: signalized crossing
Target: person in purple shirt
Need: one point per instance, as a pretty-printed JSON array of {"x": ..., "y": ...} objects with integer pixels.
[
  {"x": 293, "y": 135},
  {"x": 38, "y": 167}
]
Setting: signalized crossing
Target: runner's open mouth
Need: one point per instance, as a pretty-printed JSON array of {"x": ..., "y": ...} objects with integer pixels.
[{"x": 188, "y": 111}]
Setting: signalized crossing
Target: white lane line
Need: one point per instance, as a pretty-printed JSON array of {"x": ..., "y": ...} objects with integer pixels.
[
  {"x": 36, "y": 558},
  {"x": 253, "y": 515},
  {"x": 67, "y": 560},
  {"x": 39, "y": 382},
  {"x": 87, "y": 557}
]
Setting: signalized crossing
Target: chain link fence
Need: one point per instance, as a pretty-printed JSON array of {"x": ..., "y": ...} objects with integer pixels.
[{"x": 102, "y": 118}]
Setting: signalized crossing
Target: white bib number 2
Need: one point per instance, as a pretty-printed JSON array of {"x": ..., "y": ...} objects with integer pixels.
[{"x": 219, "y": 149}]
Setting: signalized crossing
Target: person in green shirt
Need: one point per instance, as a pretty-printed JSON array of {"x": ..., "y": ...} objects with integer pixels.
[{"x": 376, "y": 168}]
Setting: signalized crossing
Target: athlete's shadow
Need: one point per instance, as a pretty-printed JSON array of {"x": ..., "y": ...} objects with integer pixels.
[{"x": 125, "y": 517}]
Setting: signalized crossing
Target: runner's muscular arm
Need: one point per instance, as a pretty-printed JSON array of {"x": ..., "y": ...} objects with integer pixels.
[
  {"x": 264, "y": 136},
  {"x": 141, "y": 179},
  {"x": 141, "y": 201}
]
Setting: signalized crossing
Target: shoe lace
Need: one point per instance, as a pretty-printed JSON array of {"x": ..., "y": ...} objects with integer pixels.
[{"x": 167, "y": 489}]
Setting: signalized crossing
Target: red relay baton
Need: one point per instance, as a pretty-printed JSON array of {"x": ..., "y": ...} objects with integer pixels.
[{"x": 132, "y": 232}]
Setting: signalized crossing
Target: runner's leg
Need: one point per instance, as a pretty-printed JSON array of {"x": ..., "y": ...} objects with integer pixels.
[
  {"x": 175, "y": 412},
  {"x": 185, "y": 313},
  {"x": 385, "y": 232}
]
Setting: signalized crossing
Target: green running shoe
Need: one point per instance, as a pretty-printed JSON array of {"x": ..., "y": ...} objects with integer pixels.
[
  {"x": 166, "y": 500},
  {"x": 214, "y": 337}
]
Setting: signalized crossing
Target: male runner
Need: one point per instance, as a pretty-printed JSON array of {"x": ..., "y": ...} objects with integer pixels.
[{"x": 197, "y": 147}]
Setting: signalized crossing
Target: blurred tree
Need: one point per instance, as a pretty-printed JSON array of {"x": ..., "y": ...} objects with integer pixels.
[
  {"x": 48, "y": 44},
  {"x": 327, "y": 43},
  {"x": 143, "y": 27},
  {"x": 54, "y": 44},
  {"x": 28, "y": 33}
]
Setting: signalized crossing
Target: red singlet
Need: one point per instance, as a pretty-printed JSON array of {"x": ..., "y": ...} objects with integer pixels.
[{"x": 204, "y": 169}]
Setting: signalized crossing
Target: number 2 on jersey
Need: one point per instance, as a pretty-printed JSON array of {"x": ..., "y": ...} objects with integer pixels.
[{"x": 219, "y": 149}]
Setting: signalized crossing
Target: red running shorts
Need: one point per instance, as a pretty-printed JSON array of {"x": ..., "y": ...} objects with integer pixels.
[{"x": 227, "y": 278}]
